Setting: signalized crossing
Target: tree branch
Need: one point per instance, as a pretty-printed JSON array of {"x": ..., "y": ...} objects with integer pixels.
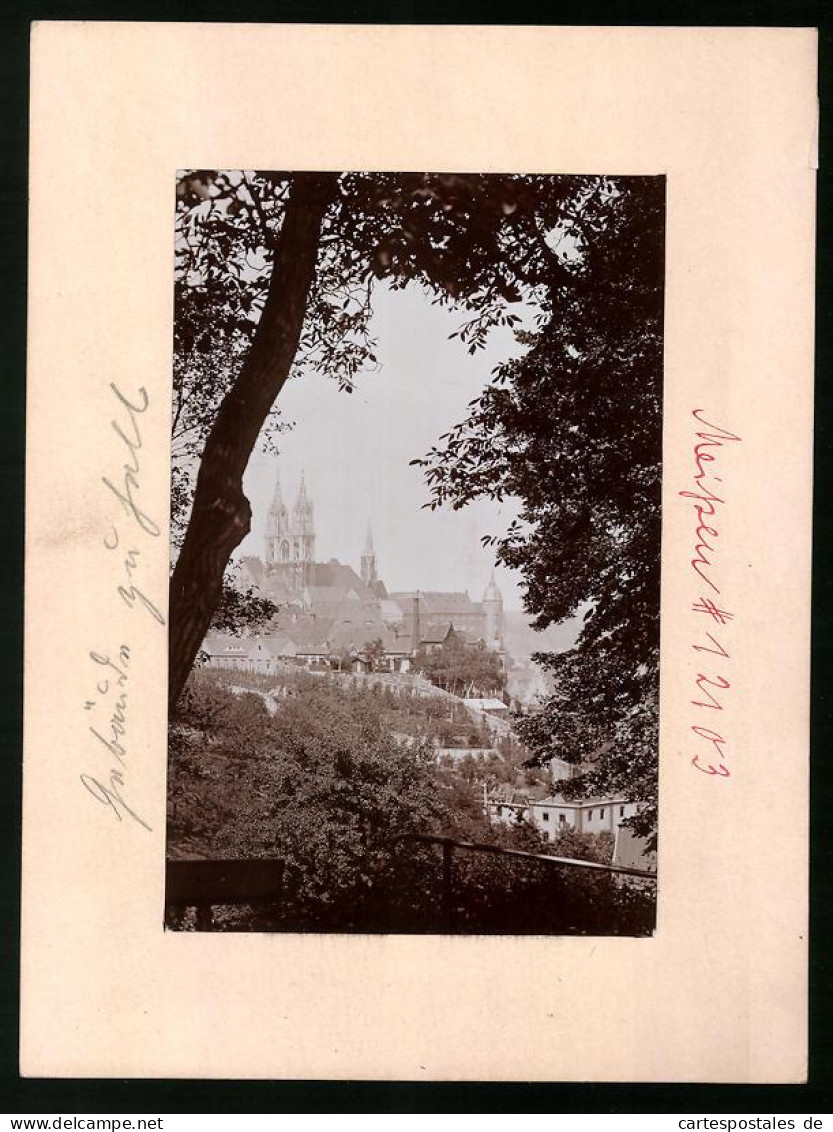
[{"x": 221, "y": 514}]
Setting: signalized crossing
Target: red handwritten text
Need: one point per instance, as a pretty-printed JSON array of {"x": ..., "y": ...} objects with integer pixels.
[{"x": 710, "y": 686}]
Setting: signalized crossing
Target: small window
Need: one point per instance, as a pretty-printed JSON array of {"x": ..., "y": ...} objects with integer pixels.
[
  {"x": 601, "y": 813},
  {"x": 546, "y": 815},
  {"x": 562, "y": 819},
  {"x": 589, "y": 815},
  {"x": 621, "y": 811}
]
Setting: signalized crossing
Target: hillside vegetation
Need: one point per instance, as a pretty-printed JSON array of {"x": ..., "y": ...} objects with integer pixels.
[{"x": 334, "y": 781}]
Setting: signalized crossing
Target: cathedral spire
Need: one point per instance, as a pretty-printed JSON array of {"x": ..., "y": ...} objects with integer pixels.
[
  {"x": 277, "y": 497},
  {"x": 277, "y": 526},
  {"x": 303, "y": 513},
  {"x": 492, "y": 606},
  {"x": 302, "y": 501},
  {"x": 302, "y": 532},
  {"x": 368, "y": 566},
  {"x": 492, "y": 591}
]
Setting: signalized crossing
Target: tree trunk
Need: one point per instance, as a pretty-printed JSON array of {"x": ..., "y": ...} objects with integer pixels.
[{"x": 221, "y": 515}]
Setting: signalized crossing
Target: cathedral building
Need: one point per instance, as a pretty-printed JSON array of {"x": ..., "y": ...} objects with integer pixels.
[
  {"x": 336, "y": 608},
  {"x": 290, "y": 538}
]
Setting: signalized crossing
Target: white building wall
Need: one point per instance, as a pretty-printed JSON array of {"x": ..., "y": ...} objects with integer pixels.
[{"x": 552, "y": 817}]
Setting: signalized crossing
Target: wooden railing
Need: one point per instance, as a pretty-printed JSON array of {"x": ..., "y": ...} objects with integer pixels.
[
  {"x": 449, "y": 845},
  {"x": 204, "y": 884}
]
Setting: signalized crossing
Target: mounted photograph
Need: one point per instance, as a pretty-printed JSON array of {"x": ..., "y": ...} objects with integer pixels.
[{"x": 414, "y": 627}]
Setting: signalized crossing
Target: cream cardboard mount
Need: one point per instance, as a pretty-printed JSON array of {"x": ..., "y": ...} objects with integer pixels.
[{"x": 729, "y": 116}]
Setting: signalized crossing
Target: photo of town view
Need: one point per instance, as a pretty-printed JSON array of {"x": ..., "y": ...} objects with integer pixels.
[{"x": 415, "y": 553}]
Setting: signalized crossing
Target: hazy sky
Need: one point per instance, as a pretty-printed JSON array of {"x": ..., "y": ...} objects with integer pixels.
[{"x": 354, "y": 450}]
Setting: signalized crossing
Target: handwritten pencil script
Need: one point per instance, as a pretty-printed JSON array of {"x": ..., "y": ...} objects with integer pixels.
[{"x": 124, "y": 544}]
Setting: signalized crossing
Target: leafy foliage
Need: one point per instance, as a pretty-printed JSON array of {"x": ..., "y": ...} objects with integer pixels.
[
  {"x": 583, "y": 846},
  {"x": 323, "y": 785},
  {"x": 483, "y": 243},
  {"x": 582, "y": 257},
  {"x": 241, "y": 609},
  {"x": 374, "y": 654},
  {"x": 319, "y": 785},
  {"x": 462, "y": 668},
  {"x": 587, "y": 470}
]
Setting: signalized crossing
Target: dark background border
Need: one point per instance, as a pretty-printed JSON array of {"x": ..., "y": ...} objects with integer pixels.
[{"x": 142, "y": 1096}]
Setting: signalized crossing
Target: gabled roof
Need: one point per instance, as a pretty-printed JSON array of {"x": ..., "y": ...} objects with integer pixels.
[
  {"x": 335, "y": 573},
  {"x": 312, "y": 636},
  {"x": 331, "y": 580},
  {"x": 436, "y": 634},
  {"x": 332, "y": 595},
  {"x": 430, "y": 632},
  {"x": 272, "y": 586},
  {"x": 436, "y": 603},
  {"x": 281, "y": 644},
  {"x": 403, "y": 598},
  {"x": 359, "y": 635},
  {"x": 223, "y": 644},
  {"x": 443, "y": 599},
  {"x": 391, "y": 610}
]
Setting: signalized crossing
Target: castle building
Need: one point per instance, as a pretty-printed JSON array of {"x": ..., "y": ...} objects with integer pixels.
[{"x": 437, "y": 608}]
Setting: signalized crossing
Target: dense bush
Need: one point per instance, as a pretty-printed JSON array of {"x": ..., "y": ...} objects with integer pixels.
[{"x": 324, "y": 786}]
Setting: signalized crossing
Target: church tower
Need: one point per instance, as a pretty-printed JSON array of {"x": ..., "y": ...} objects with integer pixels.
[
  {"x": 368, "y": 566},
  {"x": 302, "y": 538},
  {"x": 277, "y": 529},
  {"x": 493, "y": 609}
]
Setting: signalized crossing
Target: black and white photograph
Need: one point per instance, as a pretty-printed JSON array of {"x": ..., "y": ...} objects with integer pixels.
[
  {"x": 414, "y": 618},
  {"x": 419, "y": 543}
]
